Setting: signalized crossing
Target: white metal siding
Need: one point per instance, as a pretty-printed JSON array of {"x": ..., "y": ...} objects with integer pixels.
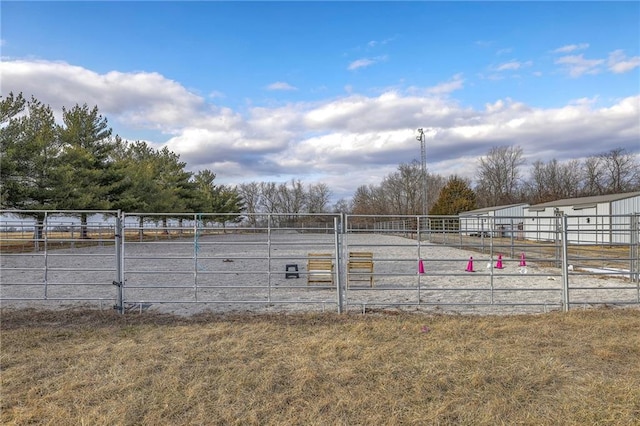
[{"x": 621, "y": 211}]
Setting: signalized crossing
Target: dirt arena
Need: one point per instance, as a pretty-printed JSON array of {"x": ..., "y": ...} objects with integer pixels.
[{"x": 246, "y": 272}]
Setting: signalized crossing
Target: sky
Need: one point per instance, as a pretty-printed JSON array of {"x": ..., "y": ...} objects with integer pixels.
[{"x": 333, "y": 92}]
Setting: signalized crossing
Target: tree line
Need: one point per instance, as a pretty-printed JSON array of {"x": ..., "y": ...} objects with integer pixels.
[
  {"x": 500, "y": 180},
  {"x": 80, "y": 164}
]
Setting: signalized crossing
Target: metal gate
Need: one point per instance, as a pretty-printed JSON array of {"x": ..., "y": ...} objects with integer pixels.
[
  {"x": 59, "y": 257},
  {"x": 250, "y": 262}
]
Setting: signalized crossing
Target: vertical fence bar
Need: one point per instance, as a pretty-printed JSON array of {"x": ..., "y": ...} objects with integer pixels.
[
  {"x": 338, "y": 229},
  {"x": 492, "y": 228},
  {"x": 43, "y": 233},
  {"x": 269, "y": 257},
  {"x": 119, "y": 242},
  {"x": 511, "y": 242},
  {"x": 634, "y": 263},
  {"x": 418, "y": 237},
  {"x": 560, "y": 233},
  {"x": 197, "y": 223},
  {"x": 565, "y": 265}
]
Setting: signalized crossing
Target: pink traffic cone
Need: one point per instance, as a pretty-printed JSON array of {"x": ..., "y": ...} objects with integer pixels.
[
  {"x": 420, "y": 267},
  {"x": 499, "y": 262},
  {"x": 470, "y": 265},
  {"x": 522, "y": 261}
]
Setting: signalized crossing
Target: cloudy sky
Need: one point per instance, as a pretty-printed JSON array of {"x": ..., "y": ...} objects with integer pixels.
[{"x": 333, "y": 92}]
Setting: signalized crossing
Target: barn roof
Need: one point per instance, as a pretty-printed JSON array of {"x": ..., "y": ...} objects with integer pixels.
[
  {"x": 491, "y": 209},
  {"x": 585, "y": 201}
]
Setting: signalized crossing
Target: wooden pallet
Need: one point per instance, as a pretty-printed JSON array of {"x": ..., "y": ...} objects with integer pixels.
[
  {"x": 320, "y": 268},
  {"x": 360, "y": 267}
]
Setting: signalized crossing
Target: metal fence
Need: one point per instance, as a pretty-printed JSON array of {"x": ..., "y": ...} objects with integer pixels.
[{"x": 188, "y": 263}]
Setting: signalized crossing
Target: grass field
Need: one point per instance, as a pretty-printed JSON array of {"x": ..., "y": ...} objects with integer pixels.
[{"x": 100, "y": 368}]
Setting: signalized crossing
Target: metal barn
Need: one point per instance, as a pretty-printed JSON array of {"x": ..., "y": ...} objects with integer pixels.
[
  {"x": 602, "y": 219},
  {"x": 499, "y": 221}
]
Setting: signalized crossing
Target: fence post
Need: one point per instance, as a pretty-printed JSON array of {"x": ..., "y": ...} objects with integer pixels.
[
  {"x": 565, "y": 265},
  {"x": 561, "y": 234},
  {"x": 44, "y": 232},
  {"x": 119, "y": 281},
  {"x": 634, "y": 264},
  {"x": 338, "y": 229}
]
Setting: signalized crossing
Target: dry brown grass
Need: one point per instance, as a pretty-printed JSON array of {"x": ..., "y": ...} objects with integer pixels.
[{"x": 99, "y": 368}]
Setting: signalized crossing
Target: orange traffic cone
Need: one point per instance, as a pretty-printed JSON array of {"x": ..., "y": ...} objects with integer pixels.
[
  {"x": 420, "y": 267},
  {"x": 499, "y": 262},
  {"x": 523, "y": 262},
  {"x": 470, "y": 265}
]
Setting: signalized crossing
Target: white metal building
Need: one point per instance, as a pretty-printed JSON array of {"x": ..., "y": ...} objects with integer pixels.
[
  {"x": 505, "y": 220},
  {"x": 602, "y": 219}
]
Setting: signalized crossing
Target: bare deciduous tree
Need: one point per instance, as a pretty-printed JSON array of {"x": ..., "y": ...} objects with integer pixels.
[
  {"x": 291, "y": 197},
  {"x": 269, "y": 197},
  {"x": 250, "y": 193},
  {"x": 318, "y": 198},
  {"x": 593, "y": 181},
  {"x": 368, "y": 199},
  {"x": 553, "y": 181},
  {"x": 286, "y": 197},
  {"x": 611, "y": 172},
  {"x": 498, "y": 176},
  {"x": 403, "y": 189},
  {"x": 343, "y": 206},
  {"x": 399, "y": 193},
  {"x": 621, "y": 171}
]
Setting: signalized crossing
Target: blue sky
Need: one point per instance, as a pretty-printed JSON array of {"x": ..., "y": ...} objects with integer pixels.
[{"x": 333, "y": 91}]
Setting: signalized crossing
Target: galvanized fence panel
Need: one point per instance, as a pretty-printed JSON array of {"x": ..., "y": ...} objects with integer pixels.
[
  {"x": 230, "y": 261},
  {"x": 185, "y": 263},
  {"x": 440, "y": 263},
  {"x": 433, "y": 263},
  {"x": 604, "y": 273},
  {"x": 55, "y": 256}
]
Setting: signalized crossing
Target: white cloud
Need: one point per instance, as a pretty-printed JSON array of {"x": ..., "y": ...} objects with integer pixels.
[
  {"x": 375, "y": 43},
  {"x": 513, "y": 66},
  {"x": 345, "y": 141},
  {"x": 571, "y": 48},
  {"x": 618, "y": 62},
  {"x": 158, "y": 102},
  {"x": 577, "y": 65},
  {"x": 365, "y": 62},
  {"x": 495, "y": 107},
  {"x": 390, "y": 110},
  {"x": 456, "y": 83},
  {"x": 360, "y": 63},
  {"x": 281, "y": 85}
]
